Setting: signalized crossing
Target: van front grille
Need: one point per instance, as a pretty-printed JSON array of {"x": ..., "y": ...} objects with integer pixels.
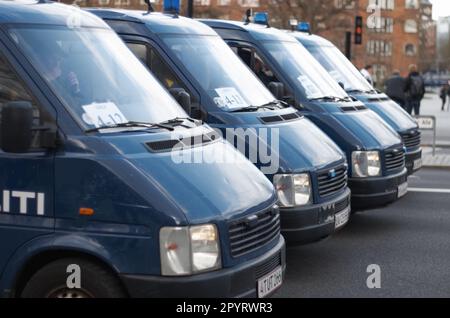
[
  {"x": 395, "y": 159},
  {"x": 252, "y": 232},
  {"x": 412, "y": 139},
  {"x": 332, "y": 181}
]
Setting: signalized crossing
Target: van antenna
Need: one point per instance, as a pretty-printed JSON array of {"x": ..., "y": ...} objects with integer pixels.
[
  {"x": 149, "y": 6},
  {"x": 248, "y": 15}
]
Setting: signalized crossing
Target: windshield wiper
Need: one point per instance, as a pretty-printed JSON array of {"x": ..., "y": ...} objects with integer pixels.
[
  {"x": 270, "y": 105},
  {"x": 178, "y": 120},
  {"x": 131, "y": 124},
  {"x": 356, "y": 91},
  {"x": 329, "y": 99}
]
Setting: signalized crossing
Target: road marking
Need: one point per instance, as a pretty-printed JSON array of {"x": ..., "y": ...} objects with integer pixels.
[{"x": 428, "y": 190}]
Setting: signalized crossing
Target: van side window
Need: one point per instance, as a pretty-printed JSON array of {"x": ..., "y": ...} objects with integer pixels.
[
  {"x": 257, "y": 64},
  {"x": 12, "y": 90},
  {"x": 158, "y": 67}
]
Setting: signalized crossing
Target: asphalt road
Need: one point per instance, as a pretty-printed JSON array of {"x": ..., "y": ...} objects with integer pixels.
[{"x": 409, "y": 240}]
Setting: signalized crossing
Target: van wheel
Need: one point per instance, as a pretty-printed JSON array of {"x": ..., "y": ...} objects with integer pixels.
[{"x": 51, "y": 281}]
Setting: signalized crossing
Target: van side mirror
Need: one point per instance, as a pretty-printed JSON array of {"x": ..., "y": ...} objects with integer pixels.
[
  {"x": 277, "y": 89},
  {"x": 16, "y": 127},
  {"x": 341, "y": 85},
  {"x": 183, "y": 98}
]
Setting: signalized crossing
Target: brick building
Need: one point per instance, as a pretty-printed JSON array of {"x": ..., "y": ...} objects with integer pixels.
[{"x": 397, "y": 33}]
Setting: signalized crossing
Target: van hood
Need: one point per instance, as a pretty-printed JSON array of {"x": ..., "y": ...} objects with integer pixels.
[
  {"x": 355, "y": 130},
  {"x": 140, "y": 186},
  {"x": 300, "y": 146},
  {"x": 390, "y": 111}
]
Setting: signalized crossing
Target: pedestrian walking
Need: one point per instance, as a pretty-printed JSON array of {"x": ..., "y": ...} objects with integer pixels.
[
  {"x": 443, "y": 95},
  {"x": 414, "y": 90},
  {"x": 395, "y": 88},
  {"x": 367, "y": 72}
]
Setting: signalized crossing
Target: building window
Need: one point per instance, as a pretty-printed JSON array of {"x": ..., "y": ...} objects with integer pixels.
[
  {"x": 344, "y": 4},
  {"x": 383, "y": 25},
  {"x": 379, "y": 48},
  {"x": 410, "y": 49},
  {"x": 202, "y": 2},
  {"x": 411, "y": 26},
  {"x": 223, "y": 2},
  {"x": 249, "y": 3},
  {"x": 379, "y": 73},
  {"x": 103, "y": 2},
  {"x": 122, "y": 3},
  {"x": 412, "y": 4},
  {"x": 383, "y": 4}
]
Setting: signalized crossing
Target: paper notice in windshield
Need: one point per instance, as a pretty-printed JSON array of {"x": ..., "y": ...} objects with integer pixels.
[
  {"x": 311, "y": 90},
  {"x": 336, "y": 76},
  {"x": 103, "y": 114},
  {"x": 229, "y": 98}
]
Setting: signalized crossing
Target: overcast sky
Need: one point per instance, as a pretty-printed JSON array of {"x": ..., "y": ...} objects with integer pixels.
[{"x": 441, "y": 8}]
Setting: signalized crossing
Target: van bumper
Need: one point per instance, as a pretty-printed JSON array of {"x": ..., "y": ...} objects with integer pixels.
[
  {"x": 302, "y": 225},
  {"x": 237, "y": 282},
  {"x": 411, "y": 158},
  {"x": 376, "y": 192}
]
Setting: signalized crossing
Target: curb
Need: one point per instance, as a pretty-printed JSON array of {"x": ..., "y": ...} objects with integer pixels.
[
  {"x": 441, "y": 167},
  {"x": 437, "y": 145}
]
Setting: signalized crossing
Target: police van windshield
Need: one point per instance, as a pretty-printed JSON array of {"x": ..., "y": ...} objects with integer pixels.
[
  {"x": 340, "y": 68},
  {"x": 304, "y": 70},
  {"x": 219, "y": 71},
  {"x": 95, "y": 75}
]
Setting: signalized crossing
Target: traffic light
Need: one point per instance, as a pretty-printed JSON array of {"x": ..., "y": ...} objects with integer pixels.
[{"x": 358, "y": 30}]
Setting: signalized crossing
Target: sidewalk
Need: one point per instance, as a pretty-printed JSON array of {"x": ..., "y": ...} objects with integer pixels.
[
  {"x": 431, "y": 105},
  {"x": 440, "y": 160}
]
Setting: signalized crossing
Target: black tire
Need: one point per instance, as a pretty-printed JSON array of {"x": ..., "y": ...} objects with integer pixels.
[{"x": 51, "y": 281}]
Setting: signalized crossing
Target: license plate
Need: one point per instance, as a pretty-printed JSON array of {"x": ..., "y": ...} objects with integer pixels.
[
  {"x": 417, "y": 164},
  {"x": 402, "y": 189},
  {"x": 270, "y": 282},
  {"x": 341, "y": 218}
]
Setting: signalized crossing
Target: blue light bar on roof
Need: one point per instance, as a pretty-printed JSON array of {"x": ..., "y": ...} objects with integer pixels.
[
  {"x": 172, "y": 6},
  {"x": 261, "y": 18},
  {"x": 304, "y": 27}
]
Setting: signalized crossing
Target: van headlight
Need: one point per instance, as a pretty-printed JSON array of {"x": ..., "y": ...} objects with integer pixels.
[
  {"x": 293, "y": 189},
  {"x": 366, "y": 164},
  {"x": 189, "y": 250}
]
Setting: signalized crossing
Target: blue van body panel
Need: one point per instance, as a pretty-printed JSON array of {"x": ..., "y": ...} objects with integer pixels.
[
  {"x": 133, "y": 191},
  {"x": 381, "y": 104},
  {"x": 302, "y": 146},
  {"x": 356, "y": 129}
]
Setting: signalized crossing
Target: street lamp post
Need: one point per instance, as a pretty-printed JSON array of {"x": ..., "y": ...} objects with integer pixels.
[{"x": 190, "y": 8}]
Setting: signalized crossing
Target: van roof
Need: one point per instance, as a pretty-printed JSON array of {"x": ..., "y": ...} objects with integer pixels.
[
  {"x": 258, "y": 31},
  {"x": 157, "y": 22},
  {"x": 310, "y": 39},
  {"x": 45, "y": 13}
]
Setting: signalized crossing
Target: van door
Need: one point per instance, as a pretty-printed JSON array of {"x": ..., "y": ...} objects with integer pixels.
[
  {"x": 150, "y": 56},
  {"x": 26, "y": 179}
]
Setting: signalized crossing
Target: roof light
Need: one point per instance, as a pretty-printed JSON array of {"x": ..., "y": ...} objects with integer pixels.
[
  {"x": 171, "y": 6},
  {"x": 261, "y": 18},
  {"x": 304, "y": 27}
]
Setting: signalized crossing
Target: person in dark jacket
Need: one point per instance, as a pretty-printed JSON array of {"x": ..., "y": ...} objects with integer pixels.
[
  {"x": 414, "y": 90},
  {"x": 395, "y": 88},
  {"x": 443, "y": 94}
]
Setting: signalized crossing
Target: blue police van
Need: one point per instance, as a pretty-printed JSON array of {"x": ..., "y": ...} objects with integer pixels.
[
  {"x": 96, "y": 183},
  {"x": 310, "y": 172},
  {"x": 375, "y": 152},
  {"x": 345, "y": 73}
]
